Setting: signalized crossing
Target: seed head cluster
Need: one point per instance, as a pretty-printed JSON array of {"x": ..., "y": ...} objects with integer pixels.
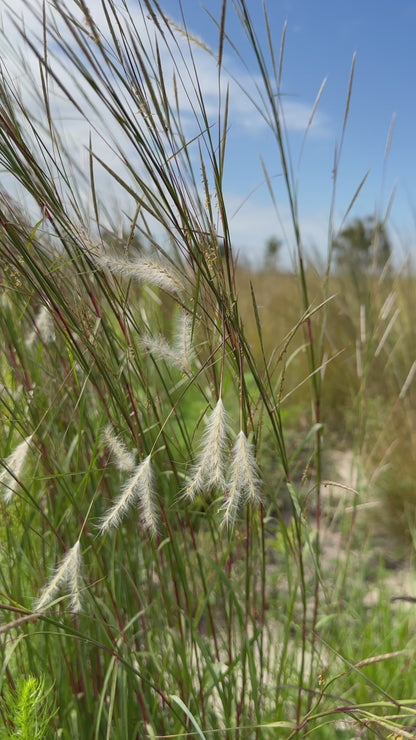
[{"x": 241, "y": 484}]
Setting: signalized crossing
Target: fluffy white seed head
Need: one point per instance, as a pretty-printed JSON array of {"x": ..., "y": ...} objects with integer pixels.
[
  {"x": 243, "y": 483},
  {"x": 161, "y": 350},
  {"x": 139, "y": 487},
  {"x": 181, "y": 353},
  {"x": 12, "y": 469},
  {"x": 146, "y": 498},
  {"x": 143, "y": 269},
  {"x": 45, "y": 328},
  {"x": 209, "y": 470},
  {"x": 124, "y": 459},
  {"x": 183, "y": 341},
  {"x": 68, "y": 574}
]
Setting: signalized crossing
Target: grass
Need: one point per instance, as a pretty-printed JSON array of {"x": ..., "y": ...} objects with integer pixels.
[
  {"x": 166, "y": 440},
  {"x": 27, "y": 715}
]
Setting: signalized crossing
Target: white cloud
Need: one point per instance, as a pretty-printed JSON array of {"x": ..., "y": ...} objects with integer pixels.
[
  {"x": 243, "y": 114},
  {"x": 254, "y": 223}
]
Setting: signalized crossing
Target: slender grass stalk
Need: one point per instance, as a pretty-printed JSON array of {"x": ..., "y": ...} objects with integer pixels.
[{"x": 220, "y": 612}]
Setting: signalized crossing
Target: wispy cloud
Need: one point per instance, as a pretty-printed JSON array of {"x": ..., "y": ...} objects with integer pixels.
[
  {"x": 246, "y": 124},
  {"x": 256, "y": 220},
  {"x": 242, "y": 113}
]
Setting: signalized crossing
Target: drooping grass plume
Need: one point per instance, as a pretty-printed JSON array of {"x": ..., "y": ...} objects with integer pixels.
[
  {"x": 160, "y": 349},
  {"x": 44, "y": 330},
  {"x": 243, "y": 482},
  {"x": 201, "y": 616},
  {"x": 124, "y": 459},
  {"x": 143, "y": 269},
  {"x": 68, "y": 574},
  {"x": 183, "y": 340},
  {"x": 181, "y": 353},
  {"x": 407, "y": 383},
  {"x": 140, "y": 488},
  {"x": 209, "y": 470},
  {"x": 12, "y": 469}
]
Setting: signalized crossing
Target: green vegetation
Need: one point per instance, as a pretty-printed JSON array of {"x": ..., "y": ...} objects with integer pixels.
[
  {"x": 362, "y": 246},
  {"x": 27, "y": 715},
  {"x": 174, "y": 557}
]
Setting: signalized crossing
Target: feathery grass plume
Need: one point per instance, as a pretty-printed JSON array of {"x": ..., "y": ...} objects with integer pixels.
[
  {"x": 45, "y": 328},
  {"x": 208, "y": 472},
  {"x": 181, "y": 353},
  {"x": 139, "y": 487},
  {"x": 387, "y": 305},
  {"x": 162, "y": 350},
  {"x": 183, "y": 341},
  {"x": 143, "y": 269},
  {"x": 13, "y": 466},
  {"x": 68, "y": 574},
  {"x": 146, "y": 497},
  {"x": 124, "y": 459},
  {"x": 244, "y": 481},
  {"x": 408, "y": 381}
]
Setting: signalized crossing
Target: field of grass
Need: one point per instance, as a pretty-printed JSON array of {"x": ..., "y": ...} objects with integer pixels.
[{"x": 181, "y": 555}]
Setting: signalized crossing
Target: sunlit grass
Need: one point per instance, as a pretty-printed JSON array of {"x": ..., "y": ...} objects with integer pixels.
[{"x": 167, "y": 433}]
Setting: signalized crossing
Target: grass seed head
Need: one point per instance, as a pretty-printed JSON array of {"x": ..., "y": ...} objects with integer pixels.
[
  {"x": 139, "y": 487},
  {"x": 243, "y": 482},
  {"x": 69, "y": 574},
  {"x": 209, "y": 470},
  {"x": 13, "y": 466},
  {"x": 143, "y": 269},
  {"x": 161, "y": 350},
  {"x": 124, "y": 459},
  {"x": 45, "y": 328},
  {"x": 183, "y": 341}
]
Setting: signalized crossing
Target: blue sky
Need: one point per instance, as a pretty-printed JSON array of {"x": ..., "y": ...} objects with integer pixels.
[{"x": 321, "y": 38}]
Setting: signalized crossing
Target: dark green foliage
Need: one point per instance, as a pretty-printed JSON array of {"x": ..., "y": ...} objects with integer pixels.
[{"x": 362, "y": 248}]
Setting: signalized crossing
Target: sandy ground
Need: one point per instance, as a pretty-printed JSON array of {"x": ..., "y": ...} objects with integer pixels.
[{"x": 342, "y": 499}]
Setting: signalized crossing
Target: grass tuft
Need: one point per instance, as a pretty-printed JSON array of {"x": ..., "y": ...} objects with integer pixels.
[{"x": 238, "y": 512}]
